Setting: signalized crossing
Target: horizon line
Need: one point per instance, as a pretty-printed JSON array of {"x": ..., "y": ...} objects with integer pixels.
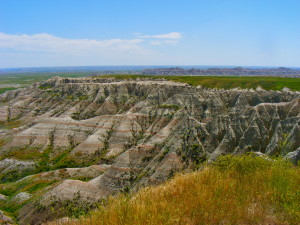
[{"x": 165, "y": 65}]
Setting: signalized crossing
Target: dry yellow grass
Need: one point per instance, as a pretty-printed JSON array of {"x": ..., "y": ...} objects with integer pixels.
[{"x": 235, "y": 190}]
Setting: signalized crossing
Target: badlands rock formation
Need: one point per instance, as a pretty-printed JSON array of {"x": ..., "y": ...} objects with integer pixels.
[{"x": 134, "y": 132}]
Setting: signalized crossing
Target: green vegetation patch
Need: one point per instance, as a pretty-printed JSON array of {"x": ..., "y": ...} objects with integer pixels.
[
  {"x": 15, "y": 174},
  {"x": 11, "y": 189},
  {"x": 26, "y": 79},
  {"x": 45, "y": 87},
  {"x": 26, "y": 153},
  {"x": 30, "y": 185},
  {"x": 72, "y": 162},
  {"x": 46, "y": 160},
  {"x": 29, "y": 78},
  {"x": 227, "y": 82},
  {"x": 11, "y": 208},
  {"x": 82, "y": 178},
  {"x": 2, "y": 90},
  {"x": 38, "y": 185}
]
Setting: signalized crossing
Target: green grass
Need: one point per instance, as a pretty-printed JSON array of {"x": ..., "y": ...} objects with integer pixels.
[
  {"x": 2, "y": 90},
  {"x": 233, "y": 190},
  {"x": 82, "y": 178},
  {"x": 45, "y": 87},
  {"x": 227, "y": 82},
  {"x": 30, "y": 185},
  {"x": 29, "y": 78},
  {"x": 11, "y": 189},
  {"x": 11, "y": 208},
  {"x": 46, "y": 160},
  {"x": 175, "y": 107},
  {"x": 26, "y": 79},
  {"x": 38, "y": 185},
  {"x": 25, "y": 153}
]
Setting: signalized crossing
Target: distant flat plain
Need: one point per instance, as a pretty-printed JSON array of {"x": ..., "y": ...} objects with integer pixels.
[{"x": 11, "y": 81}]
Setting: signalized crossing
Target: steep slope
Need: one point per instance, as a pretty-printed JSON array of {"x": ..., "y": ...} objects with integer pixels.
[
  {"x": 139, "y": 131},
  {"x": 241, "y": 189}
]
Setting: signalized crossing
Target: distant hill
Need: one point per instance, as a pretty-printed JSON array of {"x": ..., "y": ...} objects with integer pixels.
[
  {"x": 161, "y": 70},
  {"x": 237, "y": 71}
]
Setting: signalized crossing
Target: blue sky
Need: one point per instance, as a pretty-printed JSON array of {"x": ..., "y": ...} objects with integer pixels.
[{"x": 150, "y": 32}]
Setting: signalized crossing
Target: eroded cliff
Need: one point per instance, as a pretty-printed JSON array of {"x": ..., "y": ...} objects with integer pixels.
[{"x": 125, "y": 134}]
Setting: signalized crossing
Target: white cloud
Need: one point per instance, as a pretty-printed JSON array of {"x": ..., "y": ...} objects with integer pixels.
[
  {"x": 23, "y": 50},
  {"x": 171, "y": 35},
  {"x": 155, "y": 42},
  {"x": 160, "y": 42},
  {"x": 49, "y": 43},
  {"x": 171, "y": 42}
]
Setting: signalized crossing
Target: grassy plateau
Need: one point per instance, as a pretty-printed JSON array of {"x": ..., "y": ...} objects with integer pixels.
[{"x": 227, "y": 82}]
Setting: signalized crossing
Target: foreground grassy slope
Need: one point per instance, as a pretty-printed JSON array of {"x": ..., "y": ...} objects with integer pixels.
[
  {"x": 227, "y": 82},
  {"x": 234, "y": 190}
]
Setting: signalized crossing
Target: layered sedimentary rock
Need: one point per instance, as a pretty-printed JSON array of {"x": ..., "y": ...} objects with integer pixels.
[{"x": 141, "y": 131}]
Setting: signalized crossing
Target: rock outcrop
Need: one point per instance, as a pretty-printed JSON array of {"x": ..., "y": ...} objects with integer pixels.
[
  {"x": 5, "y": 220},
  {"x": 142, "y": 131},
  {"x": 294, "y": 156}
]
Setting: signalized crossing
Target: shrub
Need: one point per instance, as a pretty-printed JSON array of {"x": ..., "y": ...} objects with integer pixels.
[{"x": 175, "y": 107}]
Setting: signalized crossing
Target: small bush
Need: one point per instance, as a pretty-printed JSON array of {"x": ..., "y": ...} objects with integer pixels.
[
  {"x": 174, "y": 107},
  {"x": 45, "y": 86}
]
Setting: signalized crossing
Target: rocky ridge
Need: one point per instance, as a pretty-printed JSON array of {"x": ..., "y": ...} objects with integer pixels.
[
  {"x": 237, "y": 71},
  {"x": 136, "y": 132}
]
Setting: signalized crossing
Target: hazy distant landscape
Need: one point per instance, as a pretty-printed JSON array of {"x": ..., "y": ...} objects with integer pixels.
[
  {"x": 21, "y": 77},
  {"x": 264, "y": 70}
]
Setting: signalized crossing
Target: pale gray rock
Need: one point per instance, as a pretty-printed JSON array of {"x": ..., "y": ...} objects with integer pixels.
[
  {"x": 294, "y": 156},
  {"x": 21, "y": 197},
  {"x": 3, "y": 197},
  {"x": 5, "y": 220}
]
